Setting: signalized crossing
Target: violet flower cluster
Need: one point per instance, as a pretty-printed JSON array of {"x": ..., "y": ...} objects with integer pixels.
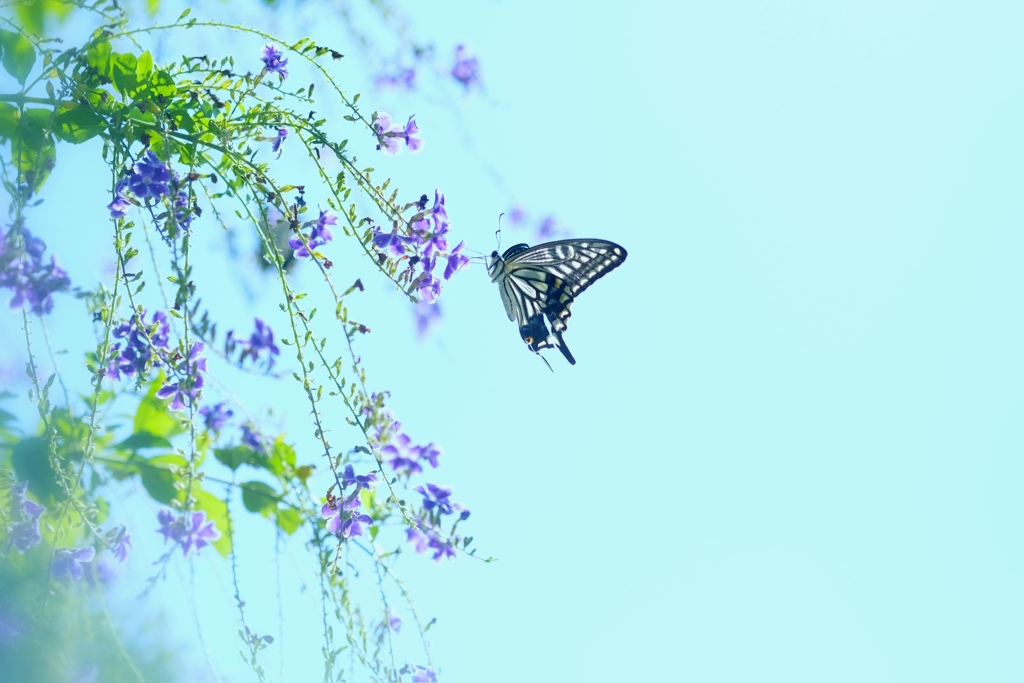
[
  {"x": 340, "y": 512},
  {"x": 390, "y": 137},
  {"x": 402, "y": 79},
  {"x": 23, "y": 530},
  {"x": 320, "y": 233},
  {"x": 119, "y": 541},
  {"x": 150, "y": 181},
  {"x": 394, "y": 446},
  {"x": 259, "y": 347},
  {"x": 425, "y": 247},
  {"x": 23, "y": 270},
  {"x": 216, "y": 416},
  {"x": 69, "y": 561},
  {"x": 187, "y": 388},
  {"x": 547, "y": 229},
  {"x": 437, "y": 505},
  {"x": 251, "y": 438},
  {"x": 420, "y": 674},
  {"x": 467, "y": 69},
  {"x": 407, "y": 458},
  {"x": 273, "y": 61},
  {"x": 134, "y": 354},
  {"x": 190, "y": 531},
  {"x": 426, "y": 316},
  {"x": 282, "y": 133}
]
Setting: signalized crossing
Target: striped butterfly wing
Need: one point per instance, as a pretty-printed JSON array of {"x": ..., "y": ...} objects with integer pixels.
[{"x": 541, "y": 282}]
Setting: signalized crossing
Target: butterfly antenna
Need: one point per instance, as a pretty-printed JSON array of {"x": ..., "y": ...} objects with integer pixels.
[
  {"x": 545, "y": 361},
  {"x": 497, "y": 233}
]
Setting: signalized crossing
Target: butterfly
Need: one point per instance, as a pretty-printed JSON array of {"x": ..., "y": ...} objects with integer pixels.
[{"x": 542, "y": 282}]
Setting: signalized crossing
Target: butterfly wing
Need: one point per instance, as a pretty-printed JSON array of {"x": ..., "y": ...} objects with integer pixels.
[{"x": 542, "y": 282}]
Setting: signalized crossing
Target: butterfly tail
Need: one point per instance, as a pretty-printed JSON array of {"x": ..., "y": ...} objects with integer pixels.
[{"x": 563, "y": 348}]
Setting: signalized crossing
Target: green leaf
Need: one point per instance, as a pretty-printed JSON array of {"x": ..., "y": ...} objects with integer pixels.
[
  {"x": 102, "y": 510},
  {"x": 99, "y": 57},
  {"x": 36, "y": 150},
  {"x": 235, "y": 457},
  {"x": 19, "y": 55},
  {"x": 153, "y": 415},
  {"x": 288, "y": 520},
  {"x": 140, "y": 440},
  {"x": 280, "y": 455},
  {"x": 77, "y": 124},
  {"x": 9, "y": 118},
  {"x": 158, "y": 479},
  {"x": 258, "y": 497},
  {"x": 31, "y": 461},
  {"x": 216, "y": 511}
]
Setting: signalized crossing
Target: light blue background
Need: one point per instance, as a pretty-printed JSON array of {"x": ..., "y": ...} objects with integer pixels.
[{"x": 790, "y": 449}]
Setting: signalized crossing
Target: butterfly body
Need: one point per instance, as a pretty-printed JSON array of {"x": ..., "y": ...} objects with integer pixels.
[{"x": 541, "y": 282}]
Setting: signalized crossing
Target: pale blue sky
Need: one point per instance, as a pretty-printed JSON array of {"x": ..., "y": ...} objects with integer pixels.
[{"x": 790, "y": 448}]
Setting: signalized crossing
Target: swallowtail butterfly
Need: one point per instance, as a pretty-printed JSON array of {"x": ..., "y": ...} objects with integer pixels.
[{"x": 542, "y": 281}]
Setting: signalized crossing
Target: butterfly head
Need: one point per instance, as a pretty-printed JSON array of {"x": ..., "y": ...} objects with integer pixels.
[{"x": 494, "y": 265}]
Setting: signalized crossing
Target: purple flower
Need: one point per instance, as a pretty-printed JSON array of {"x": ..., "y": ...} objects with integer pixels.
[
  {"x": 422, "y": 674},
  {"x": 272, "y": 61},
  {"x": 411, "y": 130},
  {"x": 394, "y": 623},
  {"x": 260, "y": 343},
  {"x": 455, "y": 261},
  {"x": 429, "y": 289},
  {"x": 353, "y": 526},
  {"x": 430, "y": 453},
  {"x": 199, "y": 535},
  {"x": 389, "y": 137},
  {"x": 140, "y": 338},
  {"x": 404, "y": 79},
  {"x": 442, "y": 549},
  {"x": 191, "y": 532},
  {"x": 216, "y": 417},
  {"x": 340, "y": 522},
  {"x": 28, "y": 507},
  {"x": 150, "y": 177},
  {"x": 333, "y": 516},
  {"x": 119, "y": 207},
  {"x": 25, "y": 534},
  {"x": 516, "y": 215},
  {"x": 385, "y": 142},
  {"x": 438, "y": 213},
  {"x": 436, "y": 497},
  {"x": 401, "y": 461},
  {"x": 282, "y": 133},
  {"x": 467, "y": 69},
  {"x": 182, "y": 211},
  {"x": 426, "y": 316},
  {"x": 548, "y": 228},
  {"x": 319, "y": 234},
  {"x": 362, "y": 481},
  {"x": 436, "y": 242},
  {"x": 69, "y": 561},
  {"x": 391, "y": 242},
  {"x": 168, "y": 525},
  {"x": 251, "y": 438},
  {"x": 26, "y": 274},
  {"x": 428, "y": 539},
  {"x": 186, "y": 390},
  {"x": 122, "y": 542},
  {"x": 403, "y": 455}
]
